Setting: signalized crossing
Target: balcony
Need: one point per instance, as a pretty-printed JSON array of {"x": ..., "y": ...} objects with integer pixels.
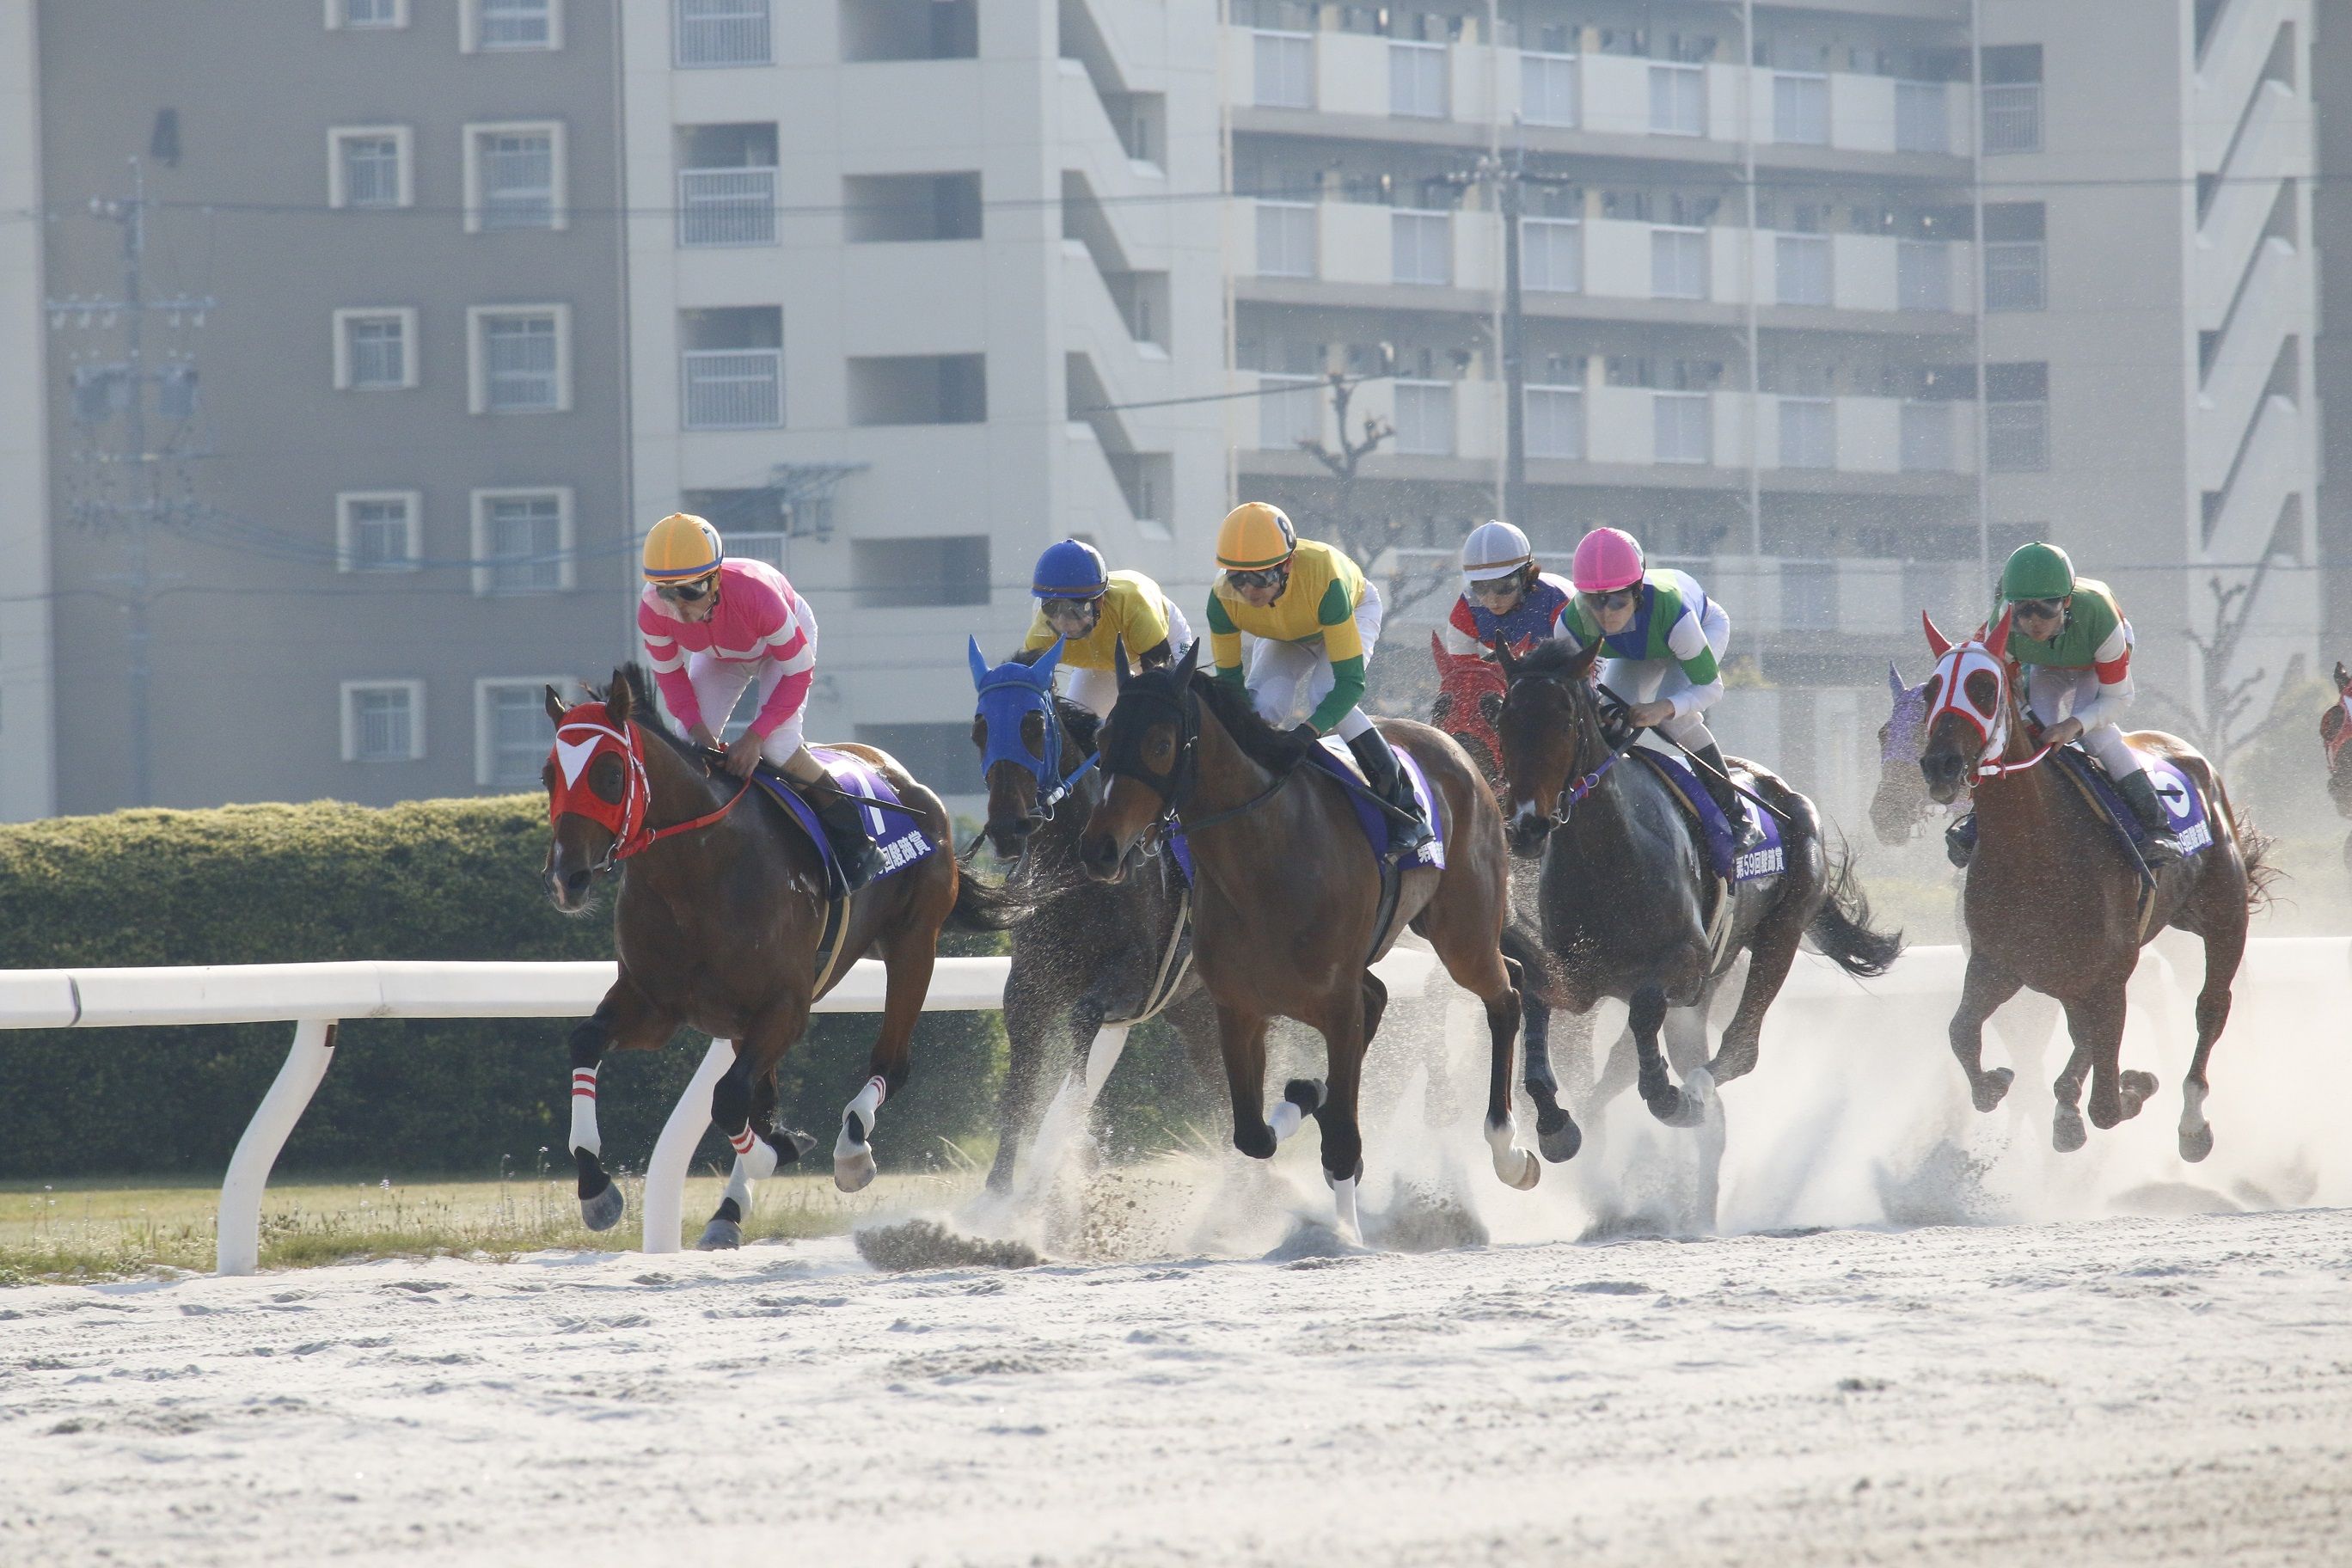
[
  {"x": 726, "y": 207},
  {"x": 709, "y": 32},
  {"x": 731, "y": 389}
]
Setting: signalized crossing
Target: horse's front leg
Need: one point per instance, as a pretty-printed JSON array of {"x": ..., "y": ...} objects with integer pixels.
[
  {"x": 1241, "y": 1036},
  {"x": 1646, "y": 1015},
  {"x": 1986, "y": 987},
  {"x": 1557, "y": 1133},
  {"x": 1335, "y": 1102},
  {"x": 907, "y": 959},
  {"x": 625, "y": 1020},
  {"x": 2096, "y": 1023},
  {"x": 743, "y": 1108}
]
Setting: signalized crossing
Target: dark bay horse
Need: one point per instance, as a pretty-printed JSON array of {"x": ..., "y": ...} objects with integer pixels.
[
  {"x": 1287, "y": 899},
  {"x": 717, "y": 928},
  {"x": 1085, "y": 952},
  {"x": 1627, "y": 896},
  {"x": 2054, "y": 900}
]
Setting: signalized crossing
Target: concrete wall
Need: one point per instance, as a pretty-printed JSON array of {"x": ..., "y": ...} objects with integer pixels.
[{"x": 27, "y": 778}]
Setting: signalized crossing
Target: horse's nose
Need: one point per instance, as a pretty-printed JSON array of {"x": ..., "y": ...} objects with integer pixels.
[
  {"x": 1527, "y": 830},
  {"x": 1098, "y": 852},
  {"x": 1009, "y": 837},
  {"x": 1941, "y": 769},
  {"x": 567, "y": 887}
]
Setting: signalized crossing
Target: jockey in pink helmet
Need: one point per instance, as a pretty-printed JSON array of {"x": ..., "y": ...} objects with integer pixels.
[{"x": 1663, "y": 641}]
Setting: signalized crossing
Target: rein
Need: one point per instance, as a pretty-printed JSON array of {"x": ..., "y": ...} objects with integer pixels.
[
  {"x": 648, "y": 837},
  {"x": 1173, "y": 787}
]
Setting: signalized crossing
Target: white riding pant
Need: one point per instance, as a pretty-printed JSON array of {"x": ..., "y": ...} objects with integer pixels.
[
  {"x": 720, "y": 684},
  {"x": 1639, "y": 681},
  {"x": 1278, "y": 672},
  {"x": 2051, "y": 694},
  {"x": 1099, "y": 688}
]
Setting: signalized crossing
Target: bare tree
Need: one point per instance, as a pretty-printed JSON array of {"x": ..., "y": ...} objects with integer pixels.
[
  {"x": 2212, "y": 723},
  {"x": 1364, "y": 533}
]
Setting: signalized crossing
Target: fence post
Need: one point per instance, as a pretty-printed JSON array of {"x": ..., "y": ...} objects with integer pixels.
[
  {"x": 238, "y": 1248},
  {"x": 665, "y": 1194}
]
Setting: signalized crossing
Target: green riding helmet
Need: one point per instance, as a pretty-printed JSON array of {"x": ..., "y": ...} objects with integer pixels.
[{"x": 2037, "y": 571}]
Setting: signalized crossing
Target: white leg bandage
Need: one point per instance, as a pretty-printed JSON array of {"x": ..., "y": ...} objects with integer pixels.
[
  {"x": 583, "y": 1110},
  {"x": 867, "y": 1101},
  {"x": 1284, "y": 1118}
]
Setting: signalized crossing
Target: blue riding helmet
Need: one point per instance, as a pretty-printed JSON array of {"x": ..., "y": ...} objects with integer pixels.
[
  {"x": 1070, "y": 570},
  {"x": 1009, "y": 693}
]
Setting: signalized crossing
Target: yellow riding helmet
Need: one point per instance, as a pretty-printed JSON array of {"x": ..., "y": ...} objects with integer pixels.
[
  {"x": 682, "y": 547},
  {"x": 1254, "y": 537}
]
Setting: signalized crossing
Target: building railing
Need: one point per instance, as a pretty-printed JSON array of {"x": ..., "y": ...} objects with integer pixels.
[
  {"x": 726, "y": 207},
  {"x": 732, "y": 389},
  {"x": 721, "y": 32}
]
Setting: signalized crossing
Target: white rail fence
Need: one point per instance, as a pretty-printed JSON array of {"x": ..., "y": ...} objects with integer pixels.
[{"x": 315, "y": 998}]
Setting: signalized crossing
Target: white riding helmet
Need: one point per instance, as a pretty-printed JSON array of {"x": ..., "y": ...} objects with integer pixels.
[{"x": 1493, "y": 550}]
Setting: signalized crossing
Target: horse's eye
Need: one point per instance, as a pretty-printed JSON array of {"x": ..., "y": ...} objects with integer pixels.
[
  {"x": 1033, "y": 734},
  {"x": 980, "y": 732},
  {"x": 607, "y": 779},
  {"x": 1490, "y": 703},
  {"x": 1984, "y": 690},
  {"x": 1933, "y": 689},
  {"x": 1159, "y": 750}
]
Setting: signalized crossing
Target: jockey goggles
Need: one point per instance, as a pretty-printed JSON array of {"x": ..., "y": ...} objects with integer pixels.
[
  {"x": 687, "y": 592},
  {"x": 1271, "y": 577},
  {"x": 2038, "y": 609},
  {"x": 1497, "y": 587},
  {"x": 1614, "y": 599},
  {"x": 1070, "y": 609}
]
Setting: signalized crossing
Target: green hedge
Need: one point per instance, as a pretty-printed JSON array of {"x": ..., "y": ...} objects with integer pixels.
[{"x": 432, "y": 880}]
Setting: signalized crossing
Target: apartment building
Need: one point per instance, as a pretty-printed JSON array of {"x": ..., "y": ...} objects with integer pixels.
[
  {"x": 28, "y": 777},
  {"x": 357, "y": 487},
  {"x": 933, "y": 281},
  {"x": 2331, "y": 69},
  {"x": 1833, "y": 302}
]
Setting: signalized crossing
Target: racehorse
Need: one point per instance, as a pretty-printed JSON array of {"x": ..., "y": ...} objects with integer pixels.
[
  {"x": 1630, "y": 907},
  {"x": 2057, "y": 902},
  {"x": 1288, "y": 899},
  {"x": 1083, "y": 951},
  {"x": 721, "y": 913},
  {"x": 2335, "y": 730},
  {"x": 1900, "y": 801}
]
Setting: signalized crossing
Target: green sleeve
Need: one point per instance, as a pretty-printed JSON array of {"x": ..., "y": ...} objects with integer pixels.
[
  {"x": 1346, "y": 690},
  {"x": 1224, "y": 642}
]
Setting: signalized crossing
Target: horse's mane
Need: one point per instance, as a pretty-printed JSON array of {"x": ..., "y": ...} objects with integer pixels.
[
  {"x": 646, "y": 713},
  {"x": 1080, "y": 720},
  {"x": 1548, "y": 657},
  {"x": 1277, "y": 751}
]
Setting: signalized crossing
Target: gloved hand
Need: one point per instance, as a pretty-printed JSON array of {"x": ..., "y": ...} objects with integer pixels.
[{"x": 1306, "y": 734}]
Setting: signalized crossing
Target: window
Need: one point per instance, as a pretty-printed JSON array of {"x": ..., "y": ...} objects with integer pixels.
[
  {"x": 368, "y": 166},
  {"x": 1284, "y": 70},
  {"x": 1424, "y": 418},
  {"x": 376, "y": 531},
  {"x": 720, "y": 33},
  {"x": 918, "y": 389},
  {"x": 1922, "y": 118},
  {"x": 1801, "y": 268},
  {"x": 1547, "y": 88},
  {"x": 1286, "y": 239},
  {"x": 892, "y": 574},
  {"x": 375, "y": 350},
  {"x": 1808, "y": 433},
  {"x": 1923, "y": 274},
  {"x": 518, "y": 358},
  {"x": 1928, "y": 436},
  {"x": 1801, "y": 110},
  {"x": 2013, "y": 99},
  {"x": 1677, "y": 99},
  {"x": 910, "y": 30},
  {"x": 511, "y": 730},
  {"x": 1682, "y": 428},
  {"x": 1421, "y": 246},
  {"x": 2013, "y": 256},
  {"x": 1551, "y": 255},
  {"x": 1417, "y": 79},
  {"x": 512, "y": 24},
  {"x": 897, "y": 209},
  {"x": 1289, "y": 410},
  {"x": 1677, "y": 263},
  {"x": 1555, "y": 422},
  {"x": 367, "y": 14},
  {"x": 383, "y": 720},
  {"x": 514, "y": 176},
  {"x": 2017, "y": 417},
  {"x": 522, "y": 541},
  {"x": 767, "y": 547}
]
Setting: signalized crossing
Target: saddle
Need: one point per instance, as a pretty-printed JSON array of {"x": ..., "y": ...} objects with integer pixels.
[
  {"x": 1373, "y": 816},
  {"x": 1755, "y": 853},
  {"x": 898, "y": 837}
]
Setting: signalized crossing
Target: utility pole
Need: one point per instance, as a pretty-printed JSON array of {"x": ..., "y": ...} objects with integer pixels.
[
  {"x": 100, "y": 388},
  {"x": 1509, "y": 178}
]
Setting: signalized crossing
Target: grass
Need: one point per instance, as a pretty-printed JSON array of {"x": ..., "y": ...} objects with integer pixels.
[{"x": 85, "y": 1231}]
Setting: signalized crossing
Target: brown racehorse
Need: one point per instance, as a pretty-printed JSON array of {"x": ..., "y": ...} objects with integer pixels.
[
  {"x": 2053, "y": 900},
  {"x": 1286, "y": 898},
  {"x": 2335, "y": 733},
  {"x": 721, "y": 905}
]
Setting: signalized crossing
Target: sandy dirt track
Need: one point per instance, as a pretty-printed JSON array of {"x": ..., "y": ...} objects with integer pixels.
[{"x": 2126, "y": 1391}]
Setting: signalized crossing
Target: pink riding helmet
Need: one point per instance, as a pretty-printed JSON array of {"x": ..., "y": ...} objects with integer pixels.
[{"x": 1607, "y": 559}]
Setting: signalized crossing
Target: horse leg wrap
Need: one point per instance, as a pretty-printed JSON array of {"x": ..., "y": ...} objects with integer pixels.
[
  {"x": 1343, "y": 1198},
  {"x": 1301, "y": 1099},
  {"x": 583, "y": 1110},
  {"x": 853, "y": 1159}
]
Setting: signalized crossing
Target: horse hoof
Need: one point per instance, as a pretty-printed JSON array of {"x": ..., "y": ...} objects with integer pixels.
[
  {"x": 604, "y": 1211},
  {"x": 1676, "y": 1108},
  {"x": 720, "y": 1236},
  {"x": 1518, "y": 1170},
  {"x": 1307, "y": 1093},
  {"x": 1561, "y": 1145},
  {"x": 792, "y": 1145},
  {"x": 1729, "y": 1065},
  {"x": 2195, "y": 1145},
  {"x": 2136, "y": 1089},
  {"x": 2066, "y": 1130},
  {"x": 854, "y": 1173},
  {"x": 1988, "y": 1088}
]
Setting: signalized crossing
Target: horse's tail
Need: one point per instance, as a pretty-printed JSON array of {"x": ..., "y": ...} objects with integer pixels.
[
  {"x": 985, "y": 906},
  {"x": 1540, "y": 972},
  {"x": 1841, "y": 929},
  {"x": 2254, "y": 847}
]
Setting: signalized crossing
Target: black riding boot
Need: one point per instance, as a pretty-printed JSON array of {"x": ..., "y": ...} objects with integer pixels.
[
  {"x": 2160, "y": 847},
  {"x": 1961, "y": 840},
  {"x": 1386, "y": 775},
  {"x": 852, "y": 845},
  {"x": 1719, "y": 787}
]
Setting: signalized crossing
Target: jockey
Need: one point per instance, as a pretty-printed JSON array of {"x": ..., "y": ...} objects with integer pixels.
[
  {"x": 714, "y": 628},
  {"x": 1664, "y": 639},
  {"x": 1316, "y": 619},
  {"x": 1094, "y": 612},
  {"x": 1506, "y": 596},
  {"x": 2075, "y": 646}
]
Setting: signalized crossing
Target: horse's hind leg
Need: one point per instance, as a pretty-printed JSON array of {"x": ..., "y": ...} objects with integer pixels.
[
  {"x": 625, "y": 1020},
  {"x": 743, "y": 1108},
  {"x": 1029, "y": 1021},
  {"x": 1770, "y": 951},
  {"x": 1987, "y": 986},
  {"x": 2225, "y": 947},
  {"x": 908, "y": 954},
  {"x": 1557, "y": 1133},
  {"x": 1646, "y": 1015},
  {"x": 1335, "y": 1108},
  {"x": 2096, "y": 1022}
]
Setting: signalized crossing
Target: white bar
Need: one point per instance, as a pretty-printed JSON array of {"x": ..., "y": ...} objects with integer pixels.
[
  {"x": 238, "y": 1250},
  {"x": 665, "y": 1194}
]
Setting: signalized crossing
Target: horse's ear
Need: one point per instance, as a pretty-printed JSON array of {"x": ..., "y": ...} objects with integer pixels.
[
  {"x": 1437, "y": 652},
  {"x": 1580, "y": 667},
  {"x": 1938, "y": 642},
  {"x": 1191, "y": 661},
  {"x": 1490, "y": 705},
  {"x": 556, "y": 711},
  {"x": 1505, "y": 661},
  {"x": 2342, "y": 676},
  {"x": 1996, "y": 644},
  {"x": 1119, "y": 662},
  {"x": 619, "y": 696},
  {"x": 1894, "y": 681},
  {"x": 979, "y": 660},
  {"x": 1042, "y": 672}
]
